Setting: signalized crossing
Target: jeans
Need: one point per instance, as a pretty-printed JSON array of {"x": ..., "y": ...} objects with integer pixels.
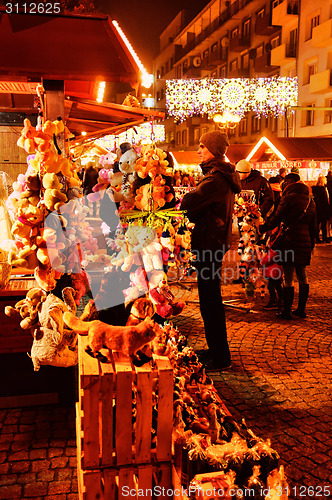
[
  {"x": 212, "y": 307},
  {"x": 289, "y": 274}
]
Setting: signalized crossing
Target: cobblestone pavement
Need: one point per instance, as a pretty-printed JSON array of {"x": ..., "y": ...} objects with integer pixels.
[
  {"x": 281, "y": 374},
  {"x": 280, "y": 383}
]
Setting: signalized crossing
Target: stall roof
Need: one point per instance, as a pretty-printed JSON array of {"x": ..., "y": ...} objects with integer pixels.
[
  {"x": 293, "y": 148},
  {"x": 63, "y": 47},
  {"x": 235, "y": 153},
  {"x": 82, "y": 115}
]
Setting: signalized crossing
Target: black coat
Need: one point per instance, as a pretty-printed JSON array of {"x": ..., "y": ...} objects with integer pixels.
[
  {"x": 262, "y": 189},
  {"x": 301, "y": 235},
  {"x": 210, "y": 205},
  {"x": 321, "y": 198},
  {"x": 90, "y": 179}
]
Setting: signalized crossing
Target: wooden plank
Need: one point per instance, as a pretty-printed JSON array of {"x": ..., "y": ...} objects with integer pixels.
[
  {"x": 143, "y": 414},
  {"x": 89, "y": 402},
  {"x": 126, "y": 483},
  {"x": 79, "y": 451},
  {"x": 145, "y": 481},
  {"x": 93, "y": 486},
  {"x": 110, "y": 486},
  {"x": 123, "y": 420},
  {"x": 165, "y": 408},
  {"x": 106, "y": 413},
  {"x": 177, "y": 487}
]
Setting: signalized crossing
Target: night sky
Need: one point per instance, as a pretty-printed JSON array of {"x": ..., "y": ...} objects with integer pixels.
[{"x": 144, "y": 21}]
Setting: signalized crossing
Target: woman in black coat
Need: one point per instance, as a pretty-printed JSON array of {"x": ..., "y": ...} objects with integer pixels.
[
  {"x": 321, "y": 197},
  {"x": 298, "y": 213}
]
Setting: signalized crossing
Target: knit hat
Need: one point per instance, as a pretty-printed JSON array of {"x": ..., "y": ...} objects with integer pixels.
[
  {"x": 243, "y": 167},
  {"x": 216, "y": 142}
]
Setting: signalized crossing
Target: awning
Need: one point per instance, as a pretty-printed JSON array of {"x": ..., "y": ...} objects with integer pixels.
[
  {"x": 63, "y": 47},
  {"x": 234, "y": 153},
  {"x": 82, "y": 115},
  {"x": 292, "y": 149}
]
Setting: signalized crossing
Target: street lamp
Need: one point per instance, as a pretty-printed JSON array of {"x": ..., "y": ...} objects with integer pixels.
[{"x": 227, "y": 120}]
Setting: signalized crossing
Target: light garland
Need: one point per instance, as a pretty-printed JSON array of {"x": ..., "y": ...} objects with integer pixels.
[
  {"x": 264, "y": 96},
  {"x": 135, "y": 135}
]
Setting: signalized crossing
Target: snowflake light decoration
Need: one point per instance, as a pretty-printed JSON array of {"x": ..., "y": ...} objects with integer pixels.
[{"x": 264, "y": 96}]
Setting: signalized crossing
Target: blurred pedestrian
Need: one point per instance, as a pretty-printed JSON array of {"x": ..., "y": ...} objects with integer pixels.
[
  {"x": 90, "y": 179},
  {"x": 282, "y": 174},
  {"x": 210, "y": 207},
  {"x": 252, "y": 179},
  {"x": 329, "y": 189},
  {"x": 298, "y": 213},
  {"x": 276, "y": 190},
  {"x": 322, "y": 201}
]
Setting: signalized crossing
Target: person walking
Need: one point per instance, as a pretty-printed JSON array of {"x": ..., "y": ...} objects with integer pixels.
[
  {"x": 210, "y": 206},
  {"x": 253, "y": 180},
  {"x": 322, "y": 201},
  {"x": 298, "y": 213},
  {"x": 90, "y": 179}
]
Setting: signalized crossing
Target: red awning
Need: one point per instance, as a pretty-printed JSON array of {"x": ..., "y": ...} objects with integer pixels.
[
  {"x": 63, "y": 47},
  {"x": 296, "y": 148}
]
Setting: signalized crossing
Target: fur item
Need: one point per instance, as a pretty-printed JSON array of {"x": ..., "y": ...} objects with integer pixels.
[
  {"x": 125, "y": 339},
  {"x": 142, "y": 308}
]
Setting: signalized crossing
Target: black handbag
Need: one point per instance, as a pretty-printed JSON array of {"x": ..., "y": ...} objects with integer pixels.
[{"x": 278, "y": 239}]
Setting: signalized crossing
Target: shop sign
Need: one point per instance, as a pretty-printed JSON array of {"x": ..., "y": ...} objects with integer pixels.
[{"x": 275, "y": 165}]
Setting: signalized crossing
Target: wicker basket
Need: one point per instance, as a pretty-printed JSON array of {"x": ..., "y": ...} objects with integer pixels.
[{"x": 5, "y": 269}]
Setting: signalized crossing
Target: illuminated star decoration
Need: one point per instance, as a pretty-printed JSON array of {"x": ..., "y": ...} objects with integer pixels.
[{"x": 264, "y": 96}]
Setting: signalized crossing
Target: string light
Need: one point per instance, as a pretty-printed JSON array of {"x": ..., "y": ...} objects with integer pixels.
[
  {"x": 136, "y": 135},
  {"x": 264, "y": 96},
  {"x": 100, "y": 91}
]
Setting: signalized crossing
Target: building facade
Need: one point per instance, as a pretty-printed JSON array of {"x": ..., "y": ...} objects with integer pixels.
[{"x": 250, "y": 39}]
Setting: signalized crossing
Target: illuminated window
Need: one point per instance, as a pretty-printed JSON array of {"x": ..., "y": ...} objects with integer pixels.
[
  {"x": 246, "y": 30},
  {"x": 184, "y": 137},
  {"x": 178, "y": 138},
  {"x": 255, "y": 124},
  {"x": 223, "y": 72},
  {"x": 328, "y": 112},
  {"x": 243, "y": 126},
  {"x": 196, "y": 135}
]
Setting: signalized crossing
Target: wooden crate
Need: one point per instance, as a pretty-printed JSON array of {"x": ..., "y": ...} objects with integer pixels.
[{"x": 112, "y": 451}]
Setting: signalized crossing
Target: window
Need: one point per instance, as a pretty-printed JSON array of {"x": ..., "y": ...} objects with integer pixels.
[
  {"x": 312, "y": 23},
  {"x": 235, "y": 32},
  {"x": 184, "y": 137},
  {"x": 246, "y": 29},
  {"x": 214, "y": 48},
  {"x": 162, "y": 93},
  {"x": 308, "y": 116},
  {"x": 292, "y": 43},
  {"x": 310, "y": 68},
  {"x": 255, "y": 124},
  {"x": 214, "y": 74},
  {"x": 178, "y": 138},
  {"x": 261, "y": 13},
  {"x": 243, "y": 126},
  {"x": 245, "y": 61},
  {"x": 275, "y": 42},
  {"x": 158, "y": 74},
  {"x": 259, "y": 51},
  {"x": 158, "y": 95},
  {"x": 178, "y": 72},
  {"x": 206, "y": 54},
  {"x": 328, "y": 112},
  {"x": 223, "y": 72},
  {"x": 196, "y": 135},
  {"x": 233, "y": 65}
]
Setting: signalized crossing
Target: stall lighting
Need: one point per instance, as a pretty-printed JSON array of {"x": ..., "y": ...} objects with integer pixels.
[
  {"x": 100, "y": 91},
  {"x": 146, "y": 78},
  {"x": 269, "y": 143},
  {"x": 83, "y": 133}
]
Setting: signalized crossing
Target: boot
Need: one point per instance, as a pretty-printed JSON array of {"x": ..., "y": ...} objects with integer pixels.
[
  {"x": 303, "y": 297},
  {"x": 288, "y": 292}
]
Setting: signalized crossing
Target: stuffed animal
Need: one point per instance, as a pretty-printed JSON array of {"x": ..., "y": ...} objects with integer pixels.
[
  {"x": 49, "y": 249},
  {"x": 151, "y": 249},
  {"x": 163, "y": 298},
  {"x": 53, "y": 197},
  {"x": 142, "y": 308},
  {"x": 125, "y": 339},
  {"x": 53, "y": 344},
  {"x": 28, "y": 308},
  {"x": 46, "y": 277},
  {"x": 127, "y": 168},
  {"x": 25, "y": 227},
  {"x": 152, "y": 162},
  {"x": 31, "y": 192}
]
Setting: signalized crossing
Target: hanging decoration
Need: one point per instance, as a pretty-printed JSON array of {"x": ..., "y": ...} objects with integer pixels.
[
  {"x": 264, "y": 96},
  {"x": 135, "y": 135}
]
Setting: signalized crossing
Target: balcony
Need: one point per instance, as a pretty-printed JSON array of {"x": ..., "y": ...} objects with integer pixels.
[
  {"x": 208, "y": 63},
  {"x": 285, "y": 12},
  {"x": 219, "y": 56},
  {"x": 192, "y": 72},
  {"x": 264, "y": 26},
  {"x": 283, "y": 54},
  {"x": 239, "y": 43},
  {"x": 239, "y": 73},
  {"x": 263, "y": 64},
  {"x": 322, "y": 35},
  {"x": 320, "y": 82}
]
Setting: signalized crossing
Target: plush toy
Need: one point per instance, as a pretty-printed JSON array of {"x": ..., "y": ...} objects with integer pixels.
[
  {"x": 28, "y": 133},
  {"x": 46, "y": 277},
  {"x": 53, "y": 344},
  {"x": 160, "y": 192},
  {"x": 31, "y": 192},
  {"x": 28, "y": 308},
  {"x": 53, "y": 197},
  {"x": 143, "y": 197},
  {"x": 25, "y": 227},
  {"x": 138, "y": 285},
  {"x": 152, "y": 162},
  {"x": 163, "y": 298},
  {"x": 49, "y": 249},
  {"x": 141, "y": 309},
  {"x": 125, "y": 339},
  {"x": 127, "y": 168},
  {"x": 151, "y": 249},
  {"x": 183, "y": 237}
]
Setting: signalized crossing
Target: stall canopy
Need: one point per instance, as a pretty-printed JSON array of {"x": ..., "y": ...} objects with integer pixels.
[
  {"x": 292, "y": 149},
  {"x": 235, "y": 153},
  {"x": 79, "y": 50}
]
